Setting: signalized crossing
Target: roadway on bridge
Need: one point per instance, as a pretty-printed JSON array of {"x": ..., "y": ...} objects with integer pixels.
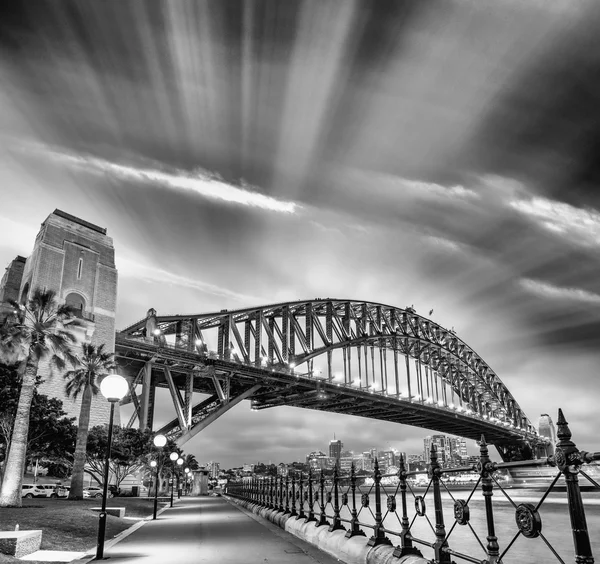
[{"x": 210, "y": 529}]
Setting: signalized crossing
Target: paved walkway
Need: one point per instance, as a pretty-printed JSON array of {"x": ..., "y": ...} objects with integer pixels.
[{"x": 211, "y": 529}]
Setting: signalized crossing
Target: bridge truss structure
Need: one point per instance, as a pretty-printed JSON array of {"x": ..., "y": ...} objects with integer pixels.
[{"x": 351, "y": 357}]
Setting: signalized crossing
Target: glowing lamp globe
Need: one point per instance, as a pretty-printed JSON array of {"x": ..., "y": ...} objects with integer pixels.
[
  {"x": 153, "y": 463},
  {"x": 160, "y": 441},
  {"x": 114, "y": 387},
  {"x": 173, "y": 456},
  {"x": 186, "y": 470},
  {"x": 180, "y": 461}
]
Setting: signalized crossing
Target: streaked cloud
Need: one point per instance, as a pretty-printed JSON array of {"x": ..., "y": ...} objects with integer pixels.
[
  {"x": 580, "y": 225},
  {"x": 145, "y": 272},
  {"x": 199, "y": 182},
  {"x": 550, "y": 291}
]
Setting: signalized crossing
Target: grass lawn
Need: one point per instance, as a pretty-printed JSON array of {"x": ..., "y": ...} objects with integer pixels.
[{"x": 71, "y": 525}]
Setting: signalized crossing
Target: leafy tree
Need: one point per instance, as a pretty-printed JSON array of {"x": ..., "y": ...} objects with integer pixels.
[
  {"x": 38, "y": 330},
  {"x": 93, "y": 363},
  {"x": 129, "y": 452},
  {"x": 51, "y": 436}
]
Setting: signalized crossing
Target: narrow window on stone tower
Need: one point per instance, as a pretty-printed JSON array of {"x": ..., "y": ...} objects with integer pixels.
[{"x": 79, "y": 269}]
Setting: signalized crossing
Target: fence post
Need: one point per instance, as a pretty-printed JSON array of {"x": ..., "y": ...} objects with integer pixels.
[
  {"x": 337, "y": 523},
  {"x": 301, "y": 514},
  {"x": 378, "y": 535},
  {"x": 311, "y": 512},
  {"x": 293, "y": 513},
  {"x": 568, "y": 459},
  {"x": 322, "y": 517},
  {"x": 440, "y": 555},
  {"x": 406, "y": 545},
  {"x": 281, "y": 508},
  {"x": 271, "y": 502},
  {"x": 354, "y": 529},
  {"x": 287, "y": 493},
  {"x": 486, "y": 467}
]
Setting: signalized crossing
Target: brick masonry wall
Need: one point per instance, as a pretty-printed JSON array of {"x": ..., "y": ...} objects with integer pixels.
[{"x": 54, "y": 264}]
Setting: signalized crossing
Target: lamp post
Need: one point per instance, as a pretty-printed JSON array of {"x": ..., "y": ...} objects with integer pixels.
[
  {"x": 113, "y": 388},
  {"x": 187, "y": 476},
  {"x": 179, "y": 463},
  {"x": 173, "y": 456},
  {"x": 159, "y": 441}
]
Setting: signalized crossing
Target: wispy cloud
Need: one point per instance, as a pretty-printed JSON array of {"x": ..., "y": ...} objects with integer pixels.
[
  {"x": 199, "y": 182},
  {"x": 132, "y": 269},
  {"x": 433, "y": 189},
  {"x": 578, "y": 224},
  {"x": 546, "y": 290}
]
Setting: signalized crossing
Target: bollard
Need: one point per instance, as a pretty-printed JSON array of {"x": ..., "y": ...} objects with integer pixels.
[
  {"x": 337, "y": 523},
  {"x": 406, "y": 545},
  {"x": 354, "y": 529}
]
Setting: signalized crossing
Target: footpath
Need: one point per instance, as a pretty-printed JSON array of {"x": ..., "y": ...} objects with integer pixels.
[{"x": 199, "y": 530}]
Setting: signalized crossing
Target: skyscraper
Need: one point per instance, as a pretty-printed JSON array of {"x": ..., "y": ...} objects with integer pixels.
[{"x": 335, "y": 450}]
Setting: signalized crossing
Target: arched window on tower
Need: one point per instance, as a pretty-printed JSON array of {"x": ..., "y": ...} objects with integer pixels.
[{"x": 77, "y": 302}]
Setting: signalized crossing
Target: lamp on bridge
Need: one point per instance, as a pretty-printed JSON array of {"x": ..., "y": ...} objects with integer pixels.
[
  {"x": 173, "y": 456},
  {"x": 159, "y": 441},
  {"x": 113, "y": 388},
  {"x": 179, "y": 463}
]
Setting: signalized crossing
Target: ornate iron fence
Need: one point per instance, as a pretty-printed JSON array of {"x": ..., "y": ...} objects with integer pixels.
[{"x": 340, "y": 502}]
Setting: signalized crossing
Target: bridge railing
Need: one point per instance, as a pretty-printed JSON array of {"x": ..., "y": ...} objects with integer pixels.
[{"x": 379, "y": 506}]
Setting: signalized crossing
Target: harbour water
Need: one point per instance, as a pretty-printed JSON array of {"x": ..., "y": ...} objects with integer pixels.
[{"x": 556, "y": 527}]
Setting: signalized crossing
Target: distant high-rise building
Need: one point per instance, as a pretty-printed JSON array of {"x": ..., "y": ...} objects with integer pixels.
[
  {"x": 335, "y": 449},
  {"x": 546, "y": 429},
  {"x": 214, "y": 469}
]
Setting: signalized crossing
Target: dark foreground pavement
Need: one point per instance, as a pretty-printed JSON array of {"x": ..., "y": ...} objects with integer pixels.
[{"x": 211, "y": 529}]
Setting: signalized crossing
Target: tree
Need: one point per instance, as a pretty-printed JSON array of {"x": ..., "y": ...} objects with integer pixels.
[
  {"x": 129, "y": 452},
  {"x": 51, "y": 436},
  {"x": 93, "y": 363},
  {"x": 39, "y": 331}
]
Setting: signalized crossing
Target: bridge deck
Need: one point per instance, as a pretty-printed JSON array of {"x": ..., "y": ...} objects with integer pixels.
[{"x": 282, "y": 387}]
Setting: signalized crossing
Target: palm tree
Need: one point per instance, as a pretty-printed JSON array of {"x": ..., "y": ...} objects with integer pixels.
[
  {"x": 93, "y": 363},
  {"x": 39, "y": 330}
]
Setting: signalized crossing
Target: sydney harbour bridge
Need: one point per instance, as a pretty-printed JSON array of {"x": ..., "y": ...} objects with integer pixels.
[{"x": 343, "y": 356}]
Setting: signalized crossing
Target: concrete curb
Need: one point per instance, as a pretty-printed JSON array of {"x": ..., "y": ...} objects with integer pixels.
[
  {"x": 349, "y": 551},
  {"x": 91, "y": 553}
]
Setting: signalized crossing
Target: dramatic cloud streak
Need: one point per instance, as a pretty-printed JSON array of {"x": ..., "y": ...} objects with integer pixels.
[
  {"x": 200, "y": 182},
  {"x": 555, "y": 292}
]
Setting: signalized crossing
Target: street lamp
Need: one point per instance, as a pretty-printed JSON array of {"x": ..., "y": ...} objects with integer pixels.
[
  {"x": 187, "y": 476},
  {"x": 159, "y": 441},
  {"x": 173, "y": 456},
  {"x": 113, "y": 388},
  {"x": 179, "y": 463}
]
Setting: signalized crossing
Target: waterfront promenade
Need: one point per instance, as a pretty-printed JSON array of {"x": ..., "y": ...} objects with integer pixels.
[{"x": 210, "y": 529}]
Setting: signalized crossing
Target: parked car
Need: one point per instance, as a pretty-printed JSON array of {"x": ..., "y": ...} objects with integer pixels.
[
  {"x": 34, "y": 490},
  {"x": 94, "y": 491}
]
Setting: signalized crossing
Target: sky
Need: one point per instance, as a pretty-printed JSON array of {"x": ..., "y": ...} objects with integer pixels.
[{"x": 440, "y": 154}]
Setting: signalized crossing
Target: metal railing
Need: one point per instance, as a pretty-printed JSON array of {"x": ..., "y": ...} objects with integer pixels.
[{"x": 341, "y": 502}]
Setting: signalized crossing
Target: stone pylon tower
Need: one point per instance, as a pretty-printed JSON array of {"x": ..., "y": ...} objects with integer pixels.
[{"x": 76, "y": 259}]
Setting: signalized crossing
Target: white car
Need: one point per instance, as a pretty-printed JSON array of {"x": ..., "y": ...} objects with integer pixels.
[{"x": 34, "y": 490}]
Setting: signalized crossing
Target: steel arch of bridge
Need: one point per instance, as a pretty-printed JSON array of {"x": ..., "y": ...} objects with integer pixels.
[{"x": 379, "y": 361}]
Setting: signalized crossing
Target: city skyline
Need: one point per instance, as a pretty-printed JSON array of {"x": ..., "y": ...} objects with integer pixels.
[{"x": 443, "y": 158}]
